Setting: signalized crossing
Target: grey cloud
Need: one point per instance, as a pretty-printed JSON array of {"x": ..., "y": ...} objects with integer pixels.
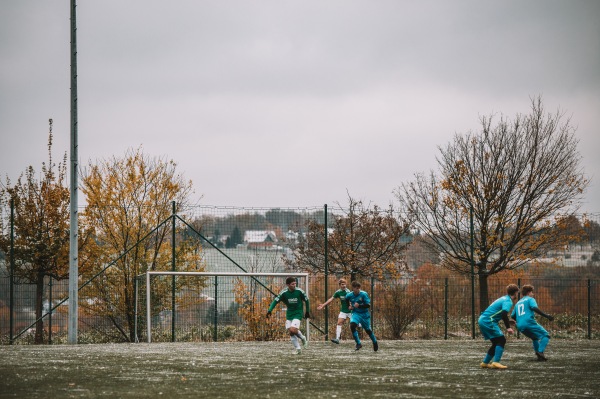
[{"x": 353, "y": 88}]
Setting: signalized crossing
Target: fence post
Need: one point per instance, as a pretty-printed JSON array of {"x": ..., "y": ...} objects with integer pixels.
[
  {"x": 326, "y": 278},
  {"x": 518, "y": 298},
  {"x": 472, "y": 274},
  {"x": 12, "y": 271},
  {"x": 372, "y": 309},
  {"x": 446, "y": 308},
  {"x": 135, "y": 309},
  {"x": 589, "y": 295},
  {"x": 173, "y": 277},
  {"x": 50, "y": 311},
  {"x": 216, "y": 313}
]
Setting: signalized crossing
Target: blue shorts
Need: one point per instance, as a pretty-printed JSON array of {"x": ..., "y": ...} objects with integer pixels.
[
  {"x": 363, "y": 319},
  {"x": 490, "y": 330},
  {"x": 534, "y": 331}
]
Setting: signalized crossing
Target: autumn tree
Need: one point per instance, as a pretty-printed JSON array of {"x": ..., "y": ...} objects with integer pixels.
[
  {"x": 519, "y": 177},
  {"x": 572, "y": 230},
  {"x": 126, "y": 199},
  {"x": 254, "y": 297},
  {"x": 41, "y": 226},
  {"x": 364, "y": 241}
]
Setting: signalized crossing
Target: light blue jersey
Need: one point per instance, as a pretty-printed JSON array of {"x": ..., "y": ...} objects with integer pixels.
[
  {"x": 524, "y": 314},
  {"x": 488, "y": 321},
  {"x": 362, "y": 299},
  {"x": 493, "y": 313}
]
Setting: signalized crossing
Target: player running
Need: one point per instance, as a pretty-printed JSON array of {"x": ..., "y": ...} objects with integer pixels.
[
  {"x": 488, "y": 324},
  {"x": 359, "y": 301},
  {"x": 344, "y": 310},
  {"x": 526, "y": 323},
  {"x": 293, "y": 297}
]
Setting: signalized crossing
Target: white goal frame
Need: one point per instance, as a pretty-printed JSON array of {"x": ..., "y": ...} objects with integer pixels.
[{"x": 212, "y": 274}]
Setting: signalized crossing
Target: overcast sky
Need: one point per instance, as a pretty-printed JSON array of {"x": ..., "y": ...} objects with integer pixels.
[{"x": 291, "y": 103}]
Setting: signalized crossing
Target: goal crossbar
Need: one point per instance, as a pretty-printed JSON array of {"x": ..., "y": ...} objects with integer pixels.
[{"x": 149, "y": 274}]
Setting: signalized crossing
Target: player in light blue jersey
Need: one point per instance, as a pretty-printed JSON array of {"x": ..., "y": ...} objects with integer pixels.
[
  {"x": 359, "y": 302},
  {"x": 524, "y": 314},
  {"x": 488, "y": 324}
]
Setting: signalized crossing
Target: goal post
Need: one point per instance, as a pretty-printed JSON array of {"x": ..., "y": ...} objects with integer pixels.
[{"x": 255, "y": 276}]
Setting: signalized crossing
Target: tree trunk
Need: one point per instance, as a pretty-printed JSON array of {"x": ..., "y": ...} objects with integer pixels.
[
  {"x": 39, "y": 308},
  {"x": 131, "y": 325},
  {"x": 483, "y": 292}
]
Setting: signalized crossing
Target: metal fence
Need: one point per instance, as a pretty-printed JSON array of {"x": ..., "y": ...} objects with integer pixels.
[
  {"x": 422, "y": 305},
  {"x": 234, "y": 309}
]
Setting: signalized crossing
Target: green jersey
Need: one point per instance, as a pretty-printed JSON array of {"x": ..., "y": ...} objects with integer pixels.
[
  {"x": 341, "y": 294},
  {"x": 293, "y": 301}
]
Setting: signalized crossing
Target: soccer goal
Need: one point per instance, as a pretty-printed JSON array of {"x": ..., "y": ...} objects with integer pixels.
[{"x": 210, "y": 300}]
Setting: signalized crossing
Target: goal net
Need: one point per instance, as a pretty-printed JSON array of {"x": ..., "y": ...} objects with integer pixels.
[{"x": 211, "y": 306}]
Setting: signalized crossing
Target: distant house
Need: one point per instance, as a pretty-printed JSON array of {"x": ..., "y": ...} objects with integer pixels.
[
  {"x": 259, "y": 238},
  {"x": 292, "y": 236}
]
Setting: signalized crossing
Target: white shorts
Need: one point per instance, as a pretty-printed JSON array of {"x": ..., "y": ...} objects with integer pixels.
[
  {"x": 292, "y": 323},
  {"x": 343, "y": 315}
]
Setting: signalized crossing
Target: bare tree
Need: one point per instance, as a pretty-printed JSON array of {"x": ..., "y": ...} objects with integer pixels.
[
  {"x": 365, "y": 241},
  {"x": 522, "y": 179}
]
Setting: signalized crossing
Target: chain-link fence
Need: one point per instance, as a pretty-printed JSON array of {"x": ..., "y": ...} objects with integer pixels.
[
  {"x": 234, "y": 308},
  {"x": 426, "y": 302}
]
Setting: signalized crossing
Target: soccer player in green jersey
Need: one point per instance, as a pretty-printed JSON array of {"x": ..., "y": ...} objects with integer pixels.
[
  {"x": 293, "y": 297},
  {"x": 344, "y": 309}
]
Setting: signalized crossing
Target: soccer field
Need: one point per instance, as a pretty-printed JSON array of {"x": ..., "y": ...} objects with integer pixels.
[{"x": 401, "y": 369}]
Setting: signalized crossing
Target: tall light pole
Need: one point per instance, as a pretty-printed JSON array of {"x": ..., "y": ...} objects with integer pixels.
[{"x": 73, "y": 250}]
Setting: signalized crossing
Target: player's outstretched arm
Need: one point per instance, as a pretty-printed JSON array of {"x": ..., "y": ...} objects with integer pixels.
[
  {"x": 272, "y": 306},
  {"x": 321, "y": 306},
  {"x": 538, "y": 311}
]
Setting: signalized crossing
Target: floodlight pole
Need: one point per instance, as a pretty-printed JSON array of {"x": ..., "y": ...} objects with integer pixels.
[
  {"x": 326, "y": 278},
  {"x": 12, "y": 271},
  {"x": 73, "y": 252},
  {"x": 472, "y": 273}
]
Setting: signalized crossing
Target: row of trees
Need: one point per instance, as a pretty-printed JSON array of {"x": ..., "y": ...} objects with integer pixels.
[
  {"x": 514, "y": 184},
  {"x": 120, "y": 237}
]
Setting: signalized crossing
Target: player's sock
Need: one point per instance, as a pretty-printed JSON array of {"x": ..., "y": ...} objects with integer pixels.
[
  {"x": 543, "y": 343},
  {"x": 536, "y": 345},
  {"x": 338, "y": 332},
  {"x": 498, "y": 353},
  {"x": 295, "y": 341},
  {"x": 372, "y": 336},
  {"x": 356, "y": 338},
  {"x": 303, "y": 339},
  {"x": 487, "y": 358}
]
